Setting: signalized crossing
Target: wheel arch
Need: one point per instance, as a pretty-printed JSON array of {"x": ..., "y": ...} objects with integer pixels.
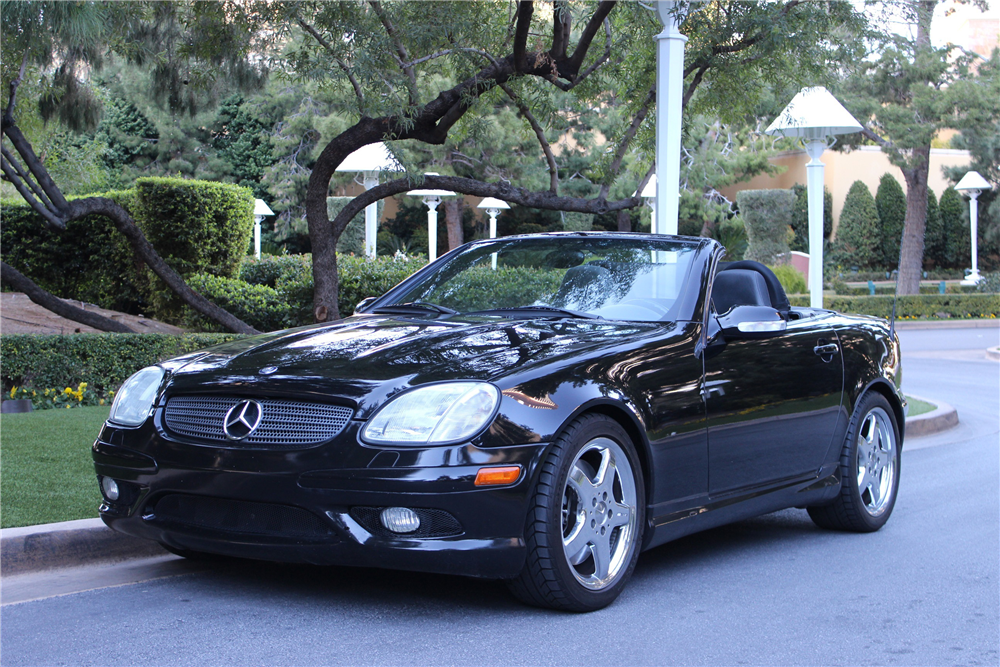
[{"x": 883, "y": 387}]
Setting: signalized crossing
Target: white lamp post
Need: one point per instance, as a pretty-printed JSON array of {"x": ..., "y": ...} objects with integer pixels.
[
  {"x": 431, "y": 198},
  {"x": 814, "y": 116},
  {"x": 493, "y": 207},
  {"x": 370, "y": 161},
  {"x": 260, "y": 211},
  {"x": 972, "y": 184},
  {"x": 649, "y": 194},
  {"x": 669, "y": 95}
]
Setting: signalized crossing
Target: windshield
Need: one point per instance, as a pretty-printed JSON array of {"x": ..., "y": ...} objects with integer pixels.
[{"x": 612, "y": 278}]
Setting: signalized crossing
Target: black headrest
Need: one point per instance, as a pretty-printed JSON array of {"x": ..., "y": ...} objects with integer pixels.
[
  {"x": 779, "y": 300},
  {"x": 739, "y": 287}
]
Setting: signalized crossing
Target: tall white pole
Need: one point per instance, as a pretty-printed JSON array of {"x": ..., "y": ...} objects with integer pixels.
[
  {"x": 973, "y": 278},
  {"x": 493, "y": 213},
  {"x": 814, "y": 188},
  {"x": 256, "y": 235},
  {"x": 371, "y": 216},
  {"x": 432, "y": 227},
  {"x": 669, "y": 94}
]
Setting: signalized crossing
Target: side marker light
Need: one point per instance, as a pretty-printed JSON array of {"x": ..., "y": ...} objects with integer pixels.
[{"x": 498, "y": 476}]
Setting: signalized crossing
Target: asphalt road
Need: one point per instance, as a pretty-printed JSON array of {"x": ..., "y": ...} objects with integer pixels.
[{"x": 770, "y": 591}]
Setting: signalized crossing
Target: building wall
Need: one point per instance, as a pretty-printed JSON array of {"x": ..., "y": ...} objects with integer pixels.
[{"x": 867, "y": 164}]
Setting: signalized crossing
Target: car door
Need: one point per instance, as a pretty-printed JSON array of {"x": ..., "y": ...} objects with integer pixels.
[{"x": 772, "y": 403}]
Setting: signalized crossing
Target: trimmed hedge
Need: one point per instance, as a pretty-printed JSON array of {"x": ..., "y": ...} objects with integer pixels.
[
  {"x": 767, "y": 215},
  {"x": 791, "y": 280},
  {"x": 260, "y": 306},
  {"x": 88, "y": 261},
  {"x": 911, "y": 307},
  {"x": 103, "y": 361}
]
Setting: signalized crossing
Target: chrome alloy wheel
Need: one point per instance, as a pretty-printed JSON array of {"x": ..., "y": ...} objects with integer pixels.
[
  {"x": 599, "y": 513},
  {"x": 876, "y": 465}
]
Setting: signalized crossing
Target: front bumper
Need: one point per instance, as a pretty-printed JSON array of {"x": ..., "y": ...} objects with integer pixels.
[{"x": 316, "y": 505}]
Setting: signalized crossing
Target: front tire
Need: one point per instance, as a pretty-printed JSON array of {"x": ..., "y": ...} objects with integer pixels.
[
  {"x": 585, "y": 520},
  {"x": 869, "y": 470}
]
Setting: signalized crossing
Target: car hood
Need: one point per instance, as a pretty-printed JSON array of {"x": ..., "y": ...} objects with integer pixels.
[{"x": 364, "y": 359}]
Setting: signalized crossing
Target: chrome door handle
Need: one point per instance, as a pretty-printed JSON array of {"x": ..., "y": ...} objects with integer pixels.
[{"x": 826, "y": 350}]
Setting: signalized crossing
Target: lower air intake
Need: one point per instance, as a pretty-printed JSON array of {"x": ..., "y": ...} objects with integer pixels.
[{"x": 239, "y": 517}]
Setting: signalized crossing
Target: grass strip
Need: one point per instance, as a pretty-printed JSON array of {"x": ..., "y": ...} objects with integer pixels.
[
  {"x": 47, "y": 472},
  {"x": 918, "y": 407}
]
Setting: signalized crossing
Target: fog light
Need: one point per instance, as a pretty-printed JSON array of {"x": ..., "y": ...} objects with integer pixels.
[
  {"x": 400, "y": 519},
  {"x": 110, "y": 488}
]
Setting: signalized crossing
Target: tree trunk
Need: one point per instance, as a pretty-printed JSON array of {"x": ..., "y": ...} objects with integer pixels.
[
  {"x": 624, "y": 220},
  {"x": 911, "y": 252},
  {"x": 15, "y": 279},
  {"x": 453, "y": 220}
]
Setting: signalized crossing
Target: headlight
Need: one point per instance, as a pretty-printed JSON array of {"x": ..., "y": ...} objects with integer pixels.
[
  {"x": 135, "y": 398},
  {"x": 434, "y": 415}
]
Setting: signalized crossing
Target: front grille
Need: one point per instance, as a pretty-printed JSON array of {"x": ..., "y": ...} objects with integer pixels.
[
  {"x": 433, "y": 523},
  {"x": 239, "y": 517},
  {"x": 283, "y": 423}
]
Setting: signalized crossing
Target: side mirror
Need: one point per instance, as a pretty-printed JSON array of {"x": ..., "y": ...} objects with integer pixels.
[
  {"x": 751, "y": 322},
  {"x": 364, "y": 303}
]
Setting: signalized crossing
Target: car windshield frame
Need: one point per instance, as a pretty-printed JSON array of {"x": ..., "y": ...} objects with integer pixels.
[{"x": 682, "y": 303}]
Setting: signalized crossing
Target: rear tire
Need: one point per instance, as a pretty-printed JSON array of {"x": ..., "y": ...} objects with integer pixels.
[
  {"x": 585, "y": 519},
  {"x": 869, "y": 470}
]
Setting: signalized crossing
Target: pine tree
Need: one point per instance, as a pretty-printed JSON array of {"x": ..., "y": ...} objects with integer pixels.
[
  {"x": 891, "y": 204},
  {"x": 957, "y": 253},
  {"x": 934, "y": 235},
  {"x": 858, "y": 235}
]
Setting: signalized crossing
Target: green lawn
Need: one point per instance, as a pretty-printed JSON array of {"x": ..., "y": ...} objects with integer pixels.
[
  {"x": 47, "y": 474},
  {"x": 918, "y": 407}
]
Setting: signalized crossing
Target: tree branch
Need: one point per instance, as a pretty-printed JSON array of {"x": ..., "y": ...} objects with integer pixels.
[
  {"x": 21, "y": 283},
  {"x": 26, "y": 178},
  {"x": 51, "y": 218},
  {"x": 884, "y": 143},
  {"x": 605, "y": 57},
  {"x": 340, "y": 63},
  {"x": 525, "y": 8},
  {"x": 695, "y": 82},
  {"x": 601, "y": 13},
  {"x": 627, "y": 138},
  {"x": 401, "y": 55},
  {"x": 550, "y": 158},
  {"x": 35, "y": 166},
  {"x": 8, "y": 114},
  {"x": 561, "y": 28}
]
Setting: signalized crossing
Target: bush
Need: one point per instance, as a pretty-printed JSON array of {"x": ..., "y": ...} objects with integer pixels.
[
  {"x": 791, "y": 280},
  {"x": 858, "y": 235},
  {"x": 800, "y": 217},
  {"x": 271, "y": 269},
  {"x": 911, "y": 307},
  {"x": 767, "y": 216},
  {"x": 88, "y": 261},
  {"x": 990, "y": 283},
  {"x": 196, "y": 227},
  {"x": 957, "y": 237},
  {"x": 890, "y": 202},
  {"x": 934, "y": 241},
  {"x": 260, "y": 306},
  {"x": 103, "y": 361}
]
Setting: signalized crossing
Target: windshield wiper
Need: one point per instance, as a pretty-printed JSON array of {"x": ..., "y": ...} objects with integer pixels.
[
  {"x": 550, "y": 311},
  {"x": 411, "y": 306}
]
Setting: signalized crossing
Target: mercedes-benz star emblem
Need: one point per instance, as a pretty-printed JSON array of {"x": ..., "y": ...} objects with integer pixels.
[{"x": 242, "y": 419}]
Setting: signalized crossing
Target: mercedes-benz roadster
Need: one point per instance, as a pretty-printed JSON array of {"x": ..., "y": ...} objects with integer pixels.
[{"x": 537, "y": 408}]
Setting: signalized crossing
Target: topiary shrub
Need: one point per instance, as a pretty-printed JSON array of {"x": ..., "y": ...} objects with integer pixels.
[
  {"x": 791, "y": 280},
  {"x": 88, "y": 261},
  {"x": 800, "y": 217},
  {"x": 260, "y": 306},
  {"x": 932, "y": 306},
  {"x": 934, "y": 241},
  {"x": 858, "y": 235},
  {"x": 957, "y": 238},
  {"x": 767, "y": 216},
  {"x": 196, "y": 227},
  {"x": 890, "y": 202}
]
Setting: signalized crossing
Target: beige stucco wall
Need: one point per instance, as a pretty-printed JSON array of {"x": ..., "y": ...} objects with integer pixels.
[{"x": 867, "y": 164}]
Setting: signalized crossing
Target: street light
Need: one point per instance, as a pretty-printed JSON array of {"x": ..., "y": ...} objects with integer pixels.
[
  {"x": 431, "y": 198},
  {"x": 260, "y": 211},
  {"x": 649, "y": 194},
  {"x": 669, "y": 94},
  {"x": 370, "y": 161},
  {"x": 814, "y": 116},
  {"x": 971, "y": 185},
  {"x": 493, "y": 207}
]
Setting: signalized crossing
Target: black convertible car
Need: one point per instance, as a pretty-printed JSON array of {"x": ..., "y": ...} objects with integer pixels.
[{"x": 538, "y": 408}]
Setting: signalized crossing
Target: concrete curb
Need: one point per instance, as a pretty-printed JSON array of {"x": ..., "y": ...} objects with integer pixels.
[
  {"x": 68, "y": 544},
  {"x": 947, "y": 324},
  {"x": 993, "y": 353},
  {"x": 89, "y": 542},
  {"x": 935, "y": 421}
]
